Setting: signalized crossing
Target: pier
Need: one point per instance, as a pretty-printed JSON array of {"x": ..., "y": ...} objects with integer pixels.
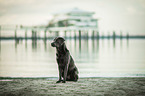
[{"x": 49, "y": 33}]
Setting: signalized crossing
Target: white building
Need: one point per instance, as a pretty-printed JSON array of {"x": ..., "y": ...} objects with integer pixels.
[{"x": 74, "y": 19}]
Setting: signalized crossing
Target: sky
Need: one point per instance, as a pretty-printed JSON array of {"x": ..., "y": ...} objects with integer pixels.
[{"x": 113, "y": 15}]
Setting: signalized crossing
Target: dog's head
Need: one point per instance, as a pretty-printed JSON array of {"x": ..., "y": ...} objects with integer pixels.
[{"x": 57, "y": 42}]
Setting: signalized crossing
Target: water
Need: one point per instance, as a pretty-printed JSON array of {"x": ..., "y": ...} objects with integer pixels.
[{"x": 103, "y": 58}]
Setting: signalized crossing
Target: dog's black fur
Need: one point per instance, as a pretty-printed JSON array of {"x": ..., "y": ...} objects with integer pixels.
[{"x": 67, "y": 69}]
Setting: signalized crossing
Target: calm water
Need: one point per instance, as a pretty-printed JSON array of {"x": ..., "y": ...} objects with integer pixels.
[{"x": 93, "y": 58}]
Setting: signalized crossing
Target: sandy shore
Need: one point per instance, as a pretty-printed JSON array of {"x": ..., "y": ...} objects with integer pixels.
[{"x": 84, "y": 87}]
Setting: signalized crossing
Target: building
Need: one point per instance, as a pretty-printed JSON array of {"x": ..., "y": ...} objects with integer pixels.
[{"x": 74, "y": 19}]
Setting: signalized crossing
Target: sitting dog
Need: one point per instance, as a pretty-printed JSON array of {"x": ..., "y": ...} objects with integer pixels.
[{"x": 67, "y": 69}]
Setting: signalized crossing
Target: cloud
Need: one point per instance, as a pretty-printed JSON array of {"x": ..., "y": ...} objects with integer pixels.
[
  {"x": 113, "y": 14},
  {"x": 131, "y": 10}
]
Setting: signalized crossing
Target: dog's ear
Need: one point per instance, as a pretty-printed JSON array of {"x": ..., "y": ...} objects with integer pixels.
[
  {"x": 59, "y": 38},
  {"x": 62, "y": 38},
  {"x": 62, "y": 41}
]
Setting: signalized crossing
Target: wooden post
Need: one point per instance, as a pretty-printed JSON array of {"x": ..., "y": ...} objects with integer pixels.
[
  {"x": 98, "y": 36},
  {"x": 121, "y": 35},
  {"x": 114, "y": 37},
  {"x": 79, "y": 34},
  {"x": 93, "y": 35},
  {"x": 38, "y": 37},
  {"x": 45, "y": 35},
  {"x": 70, "y": 34},
  {"x": 65, "y": 34},
  {"x": 75, "y": 34},
  {"x": 0, "y": 39},
  {"x": 26, "y": 35},
  {"x": 50, "y": 34},
  {"x": 121, "y": 39},
  {"x": 26, "y": 40},
  {"x": 80, "y": 40},
  {"x": 127, "y": 36},
  {"x": 93, "y": 39},
  {"x": 97, "y": 42},
  {"x": 87, "y": 34},
  {"x": 32, "y": 35},
  {"x": 0, "y": 34},
  {"x": 15, "y": 34},
  {"x": 108, "y": 35},
  {"x": 35, "y": 35}
]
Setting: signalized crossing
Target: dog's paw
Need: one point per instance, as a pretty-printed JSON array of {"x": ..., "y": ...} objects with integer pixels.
[
  {"x": 63, "y": 81},
  {"x": 58, "y": 81}
]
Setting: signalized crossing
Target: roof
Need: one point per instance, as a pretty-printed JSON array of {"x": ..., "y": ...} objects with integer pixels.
[{"x": 74, "y": 10}]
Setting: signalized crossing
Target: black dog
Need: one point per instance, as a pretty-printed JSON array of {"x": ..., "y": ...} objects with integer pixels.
[{"x": 67, "y": 69}]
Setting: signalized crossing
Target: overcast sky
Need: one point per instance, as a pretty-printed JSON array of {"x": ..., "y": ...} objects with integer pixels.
[{"x": 119, "y": 15}]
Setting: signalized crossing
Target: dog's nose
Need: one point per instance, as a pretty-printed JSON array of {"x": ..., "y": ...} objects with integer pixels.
[{"x": 52, "y": 44}]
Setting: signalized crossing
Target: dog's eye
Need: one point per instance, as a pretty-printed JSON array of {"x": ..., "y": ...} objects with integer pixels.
[{"x": 57, "y": 41}]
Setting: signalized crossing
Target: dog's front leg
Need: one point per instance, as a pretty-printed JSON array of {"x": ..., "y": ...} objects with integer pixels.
[
  {"x": 60, "y": 75},
  {"x": 65, "y": 73},
  {"x": 66, "y": 68}
]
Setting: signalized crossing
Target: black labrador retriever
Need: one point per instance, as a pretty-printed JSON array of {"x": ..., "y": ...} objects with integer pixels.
[{"x": 67, "y": 69}]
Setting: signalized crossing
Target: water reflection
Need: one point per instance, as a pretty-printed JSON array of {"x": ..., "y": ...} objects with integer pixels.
[
  {"x": 127, "y": 43},
  {"x": 0, "y": 45},
  {"x": 114, "y": 43},
  {"x": 34, "y": 45},
  {"x": 93, "y": 57},
  {"x": 97, "y": 45},
  {"x": 26, "y": 45},
  {"x": 121, "y": 43},
  {"x": 93, "y": 45},
  {"x": 45, "y": 45},
  {"x": 80, "y": 45},
  {"x": 89, "y": 45},
  {"x": 16, "y": 43}
]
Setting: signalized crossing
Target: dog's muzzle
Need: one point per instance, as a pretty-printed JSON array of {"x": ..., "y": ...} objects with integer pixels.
[{"x": 52, "y": 44}]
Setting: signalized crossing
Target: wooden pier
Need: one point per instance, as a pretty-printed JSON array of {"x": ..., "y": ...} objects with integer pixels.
[{"x": 67, "y": 34}]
